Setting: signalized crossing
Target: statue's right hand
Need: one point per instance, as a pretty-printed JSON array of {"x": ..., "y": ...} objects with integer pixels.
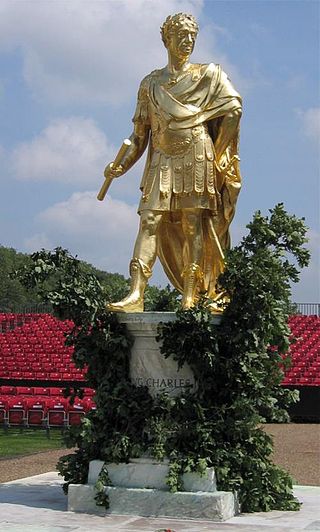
[{"x": 113, "y": 172}]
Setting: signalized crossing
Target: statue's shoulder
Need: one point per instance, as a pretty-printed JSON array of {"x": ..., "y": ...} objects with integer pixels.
[
  {"x": 150, "y": 77},
  {"x": 146, "y": 82}
]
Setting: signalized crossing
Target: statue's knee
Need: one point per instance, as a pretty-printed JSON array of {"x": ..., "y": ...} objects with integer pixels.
[{"x": 149, "y": 223}]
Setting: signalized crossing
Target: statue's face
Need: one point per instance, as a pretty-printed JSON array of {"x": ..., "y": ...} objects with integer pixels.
[{"x": 182, "y": 41}]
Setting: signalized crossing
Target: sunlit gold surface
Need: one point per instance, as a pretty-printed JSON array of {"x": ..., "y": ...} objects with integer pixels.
[
  {"x": 188, "y": 115},
  {"x": 107, "y": 173}
]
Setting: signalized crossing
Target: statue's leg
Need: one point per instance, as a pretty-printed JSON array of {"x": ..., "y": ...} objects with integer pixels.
[
  {"x": 144, "y": 256},
  {"x": 192, "y": 274}
]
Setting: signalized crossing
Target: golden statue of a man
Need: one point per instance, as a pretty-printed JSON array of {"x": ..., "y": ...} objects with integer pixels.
[{"x": 188, "y": 115}]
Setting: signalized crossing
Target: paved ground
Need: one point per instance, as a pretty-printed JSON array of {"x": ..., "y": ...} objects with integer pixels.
[{"x": 37, "y": 504}]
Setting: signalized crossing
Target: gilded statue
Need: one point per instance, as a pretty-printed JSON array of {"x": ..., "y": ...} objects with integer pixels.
[{"x": 187, "y": 116}]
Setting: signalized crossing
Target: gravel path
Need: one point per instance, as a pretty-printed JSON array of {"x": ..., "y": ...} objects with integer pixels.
[
  {"x": 33, "y": 464},
  {"x": 297, "y": 449}
]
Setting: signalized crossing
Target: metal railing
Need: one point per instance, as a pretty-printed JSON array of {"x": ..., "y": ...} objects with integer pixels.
[
  {"x": 37, "y": 308},
  {"x": 308, "y": 309},
  {"x": 20, "y": 316}
]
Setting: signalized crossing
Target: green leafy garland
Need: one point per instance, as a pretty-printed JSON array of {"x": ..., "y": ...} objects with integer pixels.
[{"x": 237, "y": 366}]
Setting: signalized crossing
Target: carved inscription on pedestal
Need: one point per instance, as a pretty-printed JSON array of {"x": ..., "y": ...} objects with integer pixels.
[
  {"x": 164, "y": 384},
  {"x": 148, "y": 367}
]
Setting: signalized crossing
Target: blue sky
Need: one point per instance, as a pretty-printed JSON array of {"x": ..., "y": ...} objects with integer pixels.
[{"x": 69, "y": 74}]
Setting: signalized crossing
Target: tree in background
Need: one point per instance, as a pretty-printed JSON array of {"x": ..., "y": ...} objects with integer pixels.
[{"x": 14, "y": 297}]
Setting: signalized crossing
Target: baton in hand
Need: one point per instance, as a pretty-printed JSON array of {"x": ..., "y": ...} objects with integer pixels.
[{"x": 108, "y": 178}]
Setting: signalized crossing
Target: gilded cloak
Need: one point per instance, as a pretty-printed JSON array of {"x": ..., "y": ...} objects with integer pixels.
[{"x": 184, "y": 118}]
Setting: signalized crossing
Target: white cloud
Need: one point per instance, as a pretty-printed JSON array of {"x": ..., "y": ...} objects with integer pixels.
[
  {"x": 37, "y": 242},
  {"x": 97, "y": 52},
  {"x": 102, "y": 233},
  {"x": 72, "y": 150},
  {"x": 77, "y": 51},
  {"x": 311, "y": 122}
]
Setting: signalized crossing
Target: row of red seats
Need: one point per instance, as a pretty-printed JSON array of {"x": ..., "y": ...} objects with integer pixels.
[
  {"x": 52, "y": 391},
  {"x": 36, "y": 351},
  {"x": 42, "y": 411},
  {"x": 10, "y": 320},
  {"x": 302, "y": 318},
  {"x": 305, "y": 352},
  {"x": 43, "y": 376},
  {"x": 300, "y": 381}
]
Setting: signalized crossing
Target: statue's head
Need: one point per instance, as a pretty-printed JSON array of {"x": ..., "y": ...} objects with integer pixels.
[{"x": 179, "y": 33}]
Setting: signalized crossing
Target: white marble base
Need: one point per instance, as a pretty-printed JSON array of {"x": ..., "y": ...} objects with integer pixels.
[
  {"x": 139, "y": 488},
  {"x": 148, "y": 367},
  {"x": 217, "y": 506},
  {"x": 148, "y": 473}
]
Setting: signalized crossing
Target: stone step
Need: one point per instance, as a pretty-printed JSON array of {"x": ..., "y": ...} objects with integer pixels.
[
  {"x": 216, "y": 506},
  {"x": 148, "y": 473}
]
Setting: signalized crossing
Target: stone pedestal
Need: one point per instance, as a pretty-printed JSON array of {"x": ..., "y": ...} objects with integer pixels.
[
  {"x": 139, "y": 488},
  {"x": 148, "y": 367}
]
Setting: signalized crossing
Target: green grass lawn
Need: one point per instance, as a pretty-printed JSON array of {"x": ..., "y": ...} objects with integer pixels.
[{"x": 17, "y": 443}]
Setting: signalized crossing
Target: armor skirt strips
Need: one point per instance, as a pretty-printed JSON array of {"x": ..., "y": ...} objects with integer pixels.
[{"x": 185, "y": 181}]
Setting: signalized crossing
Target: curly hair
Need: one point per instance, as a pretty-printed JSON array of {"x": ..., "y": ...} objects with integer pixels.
[{"x": 174, "y": 22}]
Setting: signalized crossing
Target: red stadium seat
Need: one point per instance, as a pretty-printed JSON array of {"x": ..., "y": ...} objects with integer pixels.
[
  {"x": 16, "y": 375},
  {"x": 16, "y": 411},
  {"x": 305, "y": 381},
  {"x": 89, "y": 392},
  {"x": 24, "y": 390},
  {"x": 39, "y": 390},
  {"x": 54, "y": 391},
  {"x": 56, "y": 413},
  {"x": 89, "y": 404},
  {"x": 289, "y": 381},
  {"x": 36, "y": 411},
  {"x": 55, "y": 376},
  {"x": 35, "y": 366},
  {"x": 8, "y": 390},
  {"x": 28, "y": 375},
  {"x": 39, "y": 375},
  {"x": 76, "y": 412}
]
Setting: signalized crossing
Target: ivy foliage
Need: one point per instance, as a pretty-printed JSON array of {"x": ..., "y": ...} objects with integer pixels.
[
  {"x": 114, "y": 431},
  {"x": 237, "y": 366}
]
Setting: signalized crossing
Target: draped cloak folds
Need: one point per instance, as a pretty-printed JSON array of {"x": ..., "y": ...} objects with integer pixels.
[{"x": 202, "y": 97}]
